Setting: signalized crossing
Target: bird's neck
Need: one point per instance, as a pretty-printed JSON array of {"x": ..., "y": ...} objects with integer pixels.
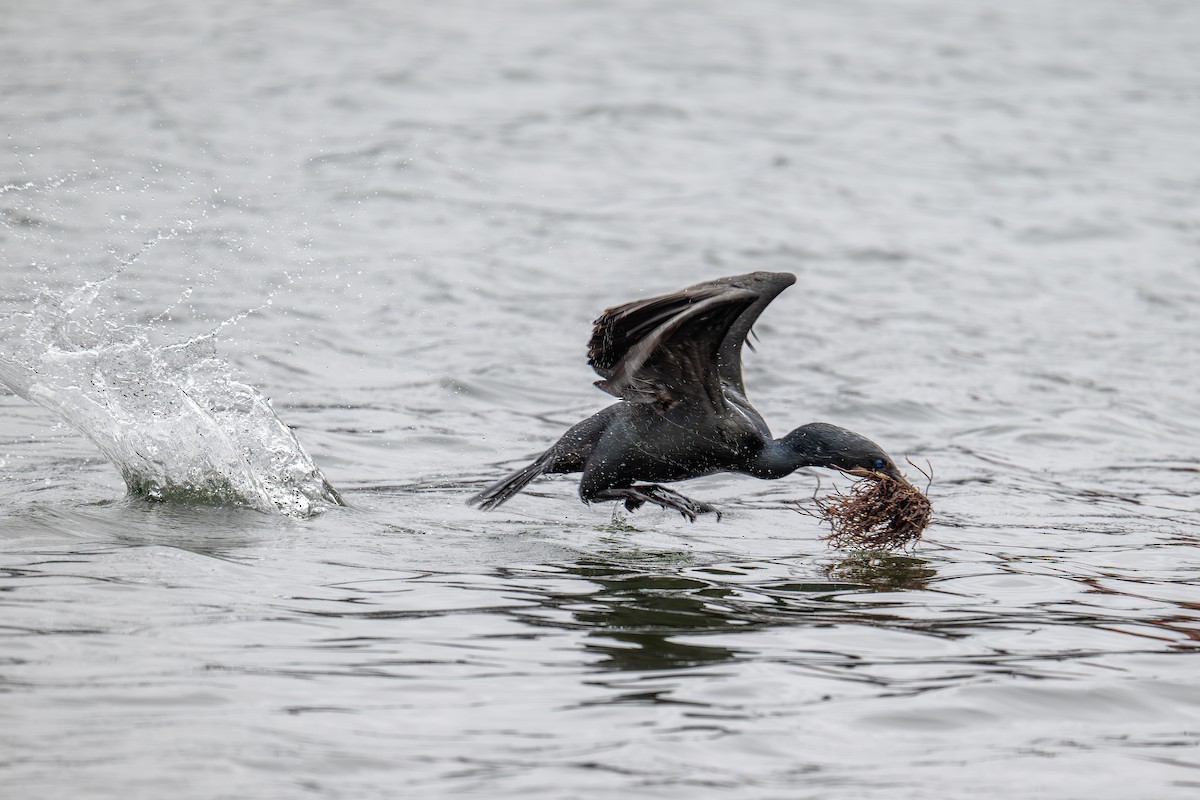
[
  {"x": 803, "y": 447},
  {"x": 780, "y": 457}
]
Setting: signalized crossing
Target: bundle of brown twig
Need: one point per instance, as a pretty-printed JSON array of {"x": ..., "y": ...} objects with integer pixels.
[{"x": 878, "y": 513}]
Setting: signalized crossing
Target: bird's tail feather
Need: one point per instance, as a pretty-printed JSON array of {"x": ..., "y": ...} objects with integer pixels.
[{"x": 501, "y": 491}]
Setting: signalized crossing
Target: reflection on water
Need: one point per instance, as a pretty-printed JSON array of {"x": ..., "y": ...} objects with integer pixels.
[
  {"x": 882, "y": 571},
  {"x": 636, "y": 617},
  {"x": 227, "y": 533}
]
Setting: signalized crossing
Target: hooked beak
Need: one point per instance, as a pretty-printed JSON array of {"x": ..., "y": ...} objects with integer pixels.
[{"x": 887, "y": 472}]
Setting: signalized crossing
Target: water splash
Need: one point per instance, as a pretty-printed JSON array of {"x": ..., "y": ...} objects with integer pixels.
[{"x": 169, "y": 416}]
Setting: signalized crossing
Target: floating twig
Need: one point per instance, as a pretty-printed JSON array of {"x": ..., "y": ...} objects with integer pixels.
[{"x": 878, "y": 513}]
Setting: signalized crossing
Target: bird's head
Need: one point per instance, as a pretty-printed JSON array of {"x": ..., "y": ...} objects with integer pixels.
[{"x": 823, "y": 445}]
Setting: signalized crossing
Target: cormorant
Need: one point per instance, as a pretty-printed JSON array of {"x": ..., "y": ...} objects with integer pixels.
[{"x": 676, "y": 363}]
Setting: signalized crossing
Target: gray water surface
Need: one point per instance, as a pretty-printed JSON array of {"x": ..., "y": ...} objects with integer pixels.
[{"x": 992, "y": 209}]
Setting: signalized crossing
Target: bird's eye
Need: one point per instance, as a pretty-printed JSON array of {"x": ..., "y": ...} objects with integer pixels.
[{"x": 879, "y": 463}]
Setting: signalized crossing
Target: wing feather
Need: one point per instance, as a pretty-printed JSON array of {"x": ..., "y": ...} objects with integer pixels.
[
  {"x": 766, "y": 286},
  {"x": 678, "y": 358},
  {"x": 622, "y": 329}
]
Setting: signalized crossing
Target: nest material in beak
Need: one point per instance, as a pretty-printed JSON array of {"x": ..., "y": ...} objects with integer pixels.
[{"x": 878, "y": 513}]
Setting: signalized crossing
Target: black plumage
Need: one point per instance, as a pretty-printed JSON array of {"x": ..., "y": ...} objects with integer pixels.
[{"x": 675, "y": 361}]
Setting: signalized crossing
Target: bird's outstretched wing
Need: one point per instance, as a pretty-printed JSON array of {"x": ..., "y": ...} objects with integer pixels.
[
  {"x": 665, "y": 350},
  {"x": 766, "y": 286},
  {"x": 623, "y": 329}
]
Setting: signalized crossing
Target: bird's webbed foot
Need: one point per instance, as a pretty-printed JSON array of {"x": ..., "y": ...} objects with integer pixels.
[
  {"x": 680, "y": 502},
  {"x": 638, "y": 495}
]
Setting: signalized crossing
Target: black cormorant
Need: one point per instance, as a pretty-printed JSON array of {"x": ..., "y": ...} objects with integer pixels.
[{"x": 676, "y": 363}]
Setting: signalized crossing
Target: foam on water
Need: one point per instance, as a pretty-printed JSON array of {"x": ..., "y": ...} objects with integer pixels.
[{"x": 168, "y": 415}]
